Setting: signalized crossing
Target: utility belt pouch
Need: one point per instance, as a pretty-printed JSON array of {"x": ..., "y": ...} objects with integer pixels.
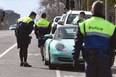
[{"x": 92, "y": 57}]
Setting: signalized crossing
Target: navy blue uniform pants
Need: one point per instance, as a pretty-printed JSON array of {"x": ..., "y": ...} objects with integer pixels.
[
  {"x": 41, "y": 41},
  {"x": 23, "y": 53},
  {"x": 100, "y": 68}
]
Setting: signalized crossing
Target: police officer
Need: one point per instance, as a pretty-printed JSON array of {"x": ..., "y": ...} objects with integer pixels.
[
  {"x": 42, "y": 27},
  {"x": 23, "y": 30},
  {"x": 79, "y": 18},
  {"x": 95, "y": 33}
]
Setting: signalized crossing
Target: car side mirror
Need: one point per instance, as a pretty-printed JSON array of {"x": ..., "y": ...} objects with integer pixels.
[
  {"x": 48, "y": 36},
  {"x": 61, "y": 22}
]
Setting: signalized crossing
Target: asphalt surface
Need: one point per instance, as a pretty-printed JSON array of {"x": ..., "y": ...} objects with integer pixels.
[{"x": 10, "y": 63}]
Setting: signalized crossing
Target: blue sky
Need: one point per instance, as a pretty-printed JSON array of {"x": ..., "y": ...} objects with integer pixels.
[{"x": 22, "y": 7}]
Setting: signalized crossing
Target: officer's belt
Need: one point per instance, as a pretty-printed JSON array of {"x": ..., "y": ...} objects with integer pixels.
[{"x": 98, "y": 52}]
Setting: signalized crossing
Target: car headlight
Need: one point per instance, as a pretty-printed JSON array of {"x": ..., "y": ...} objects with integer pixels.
[{"x": 60, "y": 47}]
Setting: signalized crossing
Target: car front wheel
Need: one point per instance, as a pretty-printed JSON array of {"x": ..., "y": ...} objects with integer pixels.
[
  {"x": 52, "y": 66},
  {"x": 76, "y": 65}
]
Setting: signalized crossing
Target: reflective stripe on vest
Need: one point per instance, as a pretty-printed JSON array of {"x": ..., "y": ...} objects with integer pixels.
[
  {"x": 25, "y": 19},
  {"x": 42, "y": 23},
  {"x": 104, "y": 29}
]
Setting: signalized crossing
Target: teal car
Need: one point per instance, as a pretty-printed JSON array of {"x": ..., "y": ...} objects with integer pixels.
[{"x": 59, "y": 47}]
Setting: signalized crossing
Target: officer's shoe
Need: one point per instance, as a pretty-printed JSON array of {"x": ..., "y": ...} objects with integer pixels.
[
  {"x": 27, "y": 65},
  {"x": 21, "y": 64},
  {"x": 42, "y": 58}
]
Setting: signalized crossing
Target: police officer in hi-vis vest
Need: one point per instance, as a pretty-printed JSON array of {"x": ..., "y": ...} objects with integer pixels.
[
  {"x": 79, "y": 18},
  {"x": 42, "y": 27},
  {"x": 94, "y": 36},
  {"x": 22, "y": 32}
]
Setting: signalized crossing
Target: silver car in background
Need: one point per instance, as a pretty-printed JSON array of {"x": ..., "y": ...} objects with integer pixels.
[{"x": 13, "y": 27}]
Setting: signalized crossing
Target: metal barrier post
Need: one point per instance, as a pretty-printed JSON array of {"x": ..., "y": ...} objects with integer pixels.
[{"x": 115, "y": 13}]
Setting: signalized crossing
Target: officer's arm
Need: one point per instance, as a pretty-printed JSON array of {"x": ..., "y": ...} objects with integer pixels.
[
  {"x": 113, "y": 41},
  {"x": 78, "y": 45},
  {"x": 30, "y": 27},
  {"x": 35, "y": 31},
  {"x": 78, "y": 40},
  {"x": 49, "y": 28}
]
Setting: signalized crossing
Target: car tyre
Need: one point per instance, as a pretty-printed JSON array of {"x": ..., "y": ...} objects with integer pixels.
[
  {"x": 46, "y": 62},
  {"x": 52, "y": 66},
  {"x": 76, "y": 66}
]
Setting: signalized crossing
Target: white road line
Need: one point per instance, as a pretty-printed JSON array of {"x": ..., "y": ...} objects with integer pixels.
[
  {"x": 58, "y": 73},
  {"x": 80, "y": 74},
  {"x": 33, "y": 31},
  {"x": 34, "y": 54},
  {"x": 5, "y": 52},
  {"x": 29, "y": 54},
  {"x": 68, "y": 76},
  {"x": 114, "y": 75}
]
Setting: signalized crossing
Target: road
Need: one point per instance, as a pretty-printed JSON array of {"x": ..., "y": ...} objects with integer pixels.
[{"x": 10, "y": 63}]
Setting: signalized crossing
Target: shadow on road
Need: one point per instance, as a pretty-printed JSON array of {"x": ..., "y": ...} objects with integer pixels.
[{"x": 70, "y": 68}]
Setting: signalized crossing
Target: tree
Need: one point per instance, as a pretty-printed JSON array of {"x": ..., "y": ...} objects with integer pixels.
[
  {"x": 111, "y": 10},
  {"x": 63, "y": 1},
  {"x": 112, "y": 2},
  {"x": 52, "y": 8}
]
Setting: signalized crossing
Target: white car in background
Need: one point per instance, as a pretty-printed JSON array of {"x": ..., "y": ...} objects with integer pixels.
[
  {"x": 61, "y": 20},
  {"x": 58, "y": 25},
  {"x": 71, "y": 14},
  {"x": 55, "y": 23}
]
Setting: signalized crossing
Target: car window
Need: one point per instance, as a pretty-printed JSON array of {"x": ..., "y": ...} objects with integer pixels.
[
  {"x": 56, "y": 20},
  {"x": 70, "y": 18},
  {"x": 88, "y": 16},
  {"x": 63, "y": 17},
  {"x": 66, "y": 33}
]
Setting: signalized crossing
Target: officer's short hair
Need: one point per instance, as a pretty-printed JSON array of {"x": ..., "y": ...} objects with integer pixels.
[
  {"x": 43, "y": 15},
  {"x": 32, "y": 14},
  {"x": 98, "y": 7},
  {"x": 82, "y": 12}
]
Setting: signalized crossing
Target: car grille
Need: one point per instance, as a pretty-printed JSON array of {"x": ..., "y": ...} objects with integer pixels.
[{"x": 65, "y": 59}]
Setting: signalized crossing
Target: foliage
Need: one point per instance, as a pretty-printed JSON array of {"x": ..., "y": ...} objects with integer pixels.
[
  {"x": 52, "y": 8},
  {"x": 56, "y": 7},
  {"x": 112, "y": 2}
]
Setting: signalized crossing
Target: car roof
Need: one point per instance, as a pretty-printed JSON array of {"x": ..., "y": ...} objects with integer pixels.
[
  {"x": 57, "y": 17},
  {"x": 78, "y": 11},
  {"x": 67, "y": 26},
  {"x": 62, "y": 17}
]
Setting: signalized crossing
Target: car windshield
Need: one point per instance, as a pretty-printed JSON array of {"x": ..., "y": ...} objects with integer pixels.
[
  {"x": 56, "y": 20},
  {"x": 65, "y": 33},
  {"x": 72, "y": 16}
]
